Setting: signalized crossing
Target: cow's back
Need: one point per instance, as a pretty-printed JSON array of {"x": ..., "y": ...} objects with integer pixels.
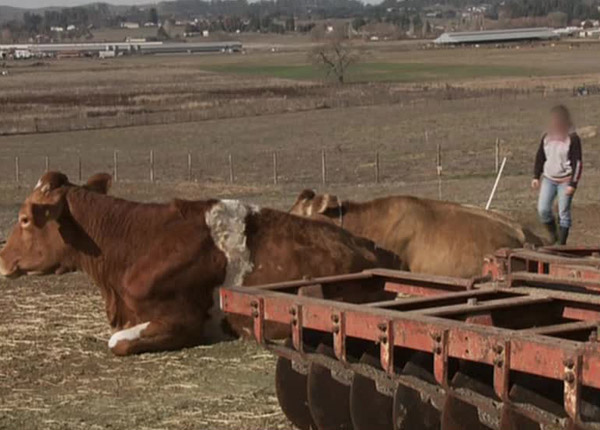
[
  {"x": 285, "y": 247},
  {"x": 450, "y": 239}
]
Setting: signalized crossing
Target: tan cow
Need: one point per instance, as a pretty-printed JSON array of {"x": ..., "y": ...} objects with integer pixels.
[
  {"x": 158, "y": 265},
  {"x": 429, "y": 236}
]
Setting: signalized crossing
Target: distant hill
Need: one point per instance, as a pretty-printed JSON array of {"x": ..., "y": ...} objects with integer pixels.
[
  {"x": 8, "y": 13},
  {"x": 102, "y": 12}
]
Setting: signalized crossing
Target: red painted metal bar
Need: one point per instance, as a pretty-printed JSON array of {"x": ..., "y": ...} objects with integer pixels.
[
  {"x": 563, "y": 328},
  {"x": 463, "y": 309},
  {"x": 537, "y": 355},
  {"x": 441, "y": 300}
]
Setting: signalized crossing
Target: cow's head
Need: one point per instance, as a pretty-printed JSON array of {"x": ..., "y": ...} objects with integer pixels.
[
  {"x": 40, "y": 240},
  {"x": 324, "y": 207}
]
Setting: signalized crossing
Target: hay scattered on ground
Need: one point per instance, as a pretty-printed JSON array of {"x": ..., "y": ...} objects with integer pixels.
[{"x": 56, "y": 371}]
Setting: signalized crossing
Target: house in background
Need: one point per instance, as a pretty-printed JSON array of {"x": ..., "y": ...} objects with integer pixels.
[{"x": 130, "y": 25}]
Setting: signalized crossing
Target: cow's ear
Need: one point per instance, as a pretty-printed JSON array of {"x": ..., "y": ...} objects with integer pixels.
[
  {"x": 44, "y": 212},
  {"x": 328, "y": 202},
  {"x": 99, "y": 183},
  {"x": 51, "y": 181},
  {"x": 306, "y": 195}
]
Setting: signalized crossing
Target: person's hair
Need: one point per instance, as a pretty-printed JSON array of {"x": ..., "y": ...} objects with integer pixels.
[{"x": 563, "y": 112}]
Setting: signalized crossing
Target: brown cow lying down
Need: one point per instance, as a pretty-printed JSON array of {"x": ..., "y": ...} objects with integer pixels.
[
  {"x": 158, "y": 265},
  {"x": 429, "y": 236}
]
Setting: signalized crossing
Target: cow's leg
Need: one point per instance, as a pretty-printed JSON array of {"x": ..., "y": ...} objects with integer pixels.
[{"x": 152, "y": 337}]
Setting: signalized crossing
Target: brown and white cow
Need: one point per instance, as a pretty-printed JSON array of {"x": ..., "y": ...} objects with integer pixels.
[
  {"x": 429, "y": 236},
  {"x": 158, "y": 265}
]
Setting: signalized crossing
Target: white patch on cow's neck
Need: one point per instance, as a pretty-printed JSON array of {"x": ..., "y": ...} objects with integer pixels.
[
  {"x": 227, "y": 223},
  {"x": 132, "y": 333}
]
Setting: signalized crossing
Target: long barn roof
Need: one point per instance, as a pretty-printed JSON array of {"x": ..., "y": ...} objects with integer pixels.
[{"x": 541, "y": 33}]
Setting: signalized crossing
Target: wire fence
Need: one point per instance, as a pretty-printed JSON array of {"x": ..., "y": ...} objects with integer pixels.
[{"x": 267, "y": 167}]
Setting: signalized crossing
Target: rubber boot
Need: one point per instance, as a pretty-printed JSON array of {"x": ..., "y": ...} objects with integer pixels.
[
  {"x": 563, "y": 235},
  {"x": 551, "y": 227}
]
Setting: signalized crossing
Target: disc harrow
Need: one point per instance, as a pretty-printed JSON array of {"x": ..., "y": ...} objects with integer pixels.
[{"x": 390, "y": 350}]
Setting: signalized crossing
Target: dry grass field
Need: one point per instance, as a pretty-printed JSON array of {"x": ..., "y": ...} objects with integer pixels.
[{"x": 55, "y": 369}]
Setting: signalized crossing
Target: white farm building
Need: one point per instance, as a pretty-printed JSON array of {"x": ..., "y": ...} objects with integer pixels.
[{"x": 496, "y": 36}]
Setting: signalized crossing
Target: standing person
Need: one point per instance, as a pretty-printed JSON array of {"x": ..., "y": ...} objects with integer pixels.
[{"x": 557, "y": 172}]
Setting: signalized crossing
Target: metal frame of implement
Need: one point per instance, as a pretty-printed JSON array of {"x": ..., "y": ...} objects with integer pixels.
[
  {"x": 508, "y": 331},
  {"x": 574, "y": 268}
]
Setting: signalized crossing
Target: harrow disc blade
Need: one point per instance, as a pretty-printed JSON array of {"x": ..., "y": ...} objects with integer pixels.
[
  {"x": 513, "y": 420},
  {"x": 412, "y": 412},
  {"x": 328, "y": 399},
  {"x": 458, "y": 415},
  {"x": 370, "y": 410},
  {"x": 574, "y": 426},
  {"x": 290, "y": 387}
]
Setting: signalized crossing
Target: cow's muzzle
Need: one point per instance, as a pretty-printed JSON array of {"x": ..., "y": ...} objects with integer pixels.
[{"x": 8, "y": 270}]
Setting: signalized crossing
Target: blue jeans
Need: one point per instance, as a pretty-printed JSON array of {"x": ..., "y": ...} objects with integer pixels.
[{"x": 549, "y": 190}]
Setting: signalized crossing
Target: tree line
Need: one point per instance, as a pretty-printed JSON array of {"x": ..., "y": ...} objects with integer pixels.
[{"x": 282, "y": 15}]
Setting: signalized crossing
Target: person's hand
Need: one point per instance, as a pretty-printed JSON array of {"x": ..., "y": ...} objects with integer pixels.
[
  {"x": 535, "y": 184},
  {"x": 570, "y": 190}
]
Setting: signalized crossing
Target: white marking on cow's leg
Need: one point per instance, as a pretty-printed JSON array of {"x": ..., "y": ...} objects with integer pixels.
[
  {"x": 227, "y": 223},
  {"x": 132, "y": 333}
]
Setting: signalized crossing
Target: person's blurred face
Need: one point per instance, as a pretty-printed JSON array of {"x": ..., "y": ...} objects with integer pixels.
[{"x": 558, "y": 124}]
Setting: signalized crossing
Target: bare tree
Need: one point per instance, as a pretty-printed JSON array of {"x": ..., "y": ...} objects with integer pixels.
[{"x": 335, "y": 56}]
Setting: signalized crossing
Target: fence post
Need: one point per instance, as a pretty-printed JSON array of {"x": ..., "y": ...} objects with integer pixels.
[
  {"x": 151, "y": 165},
  {"x": 115, "y": 166},
  {"x": 79, "y": 168},
  {"x": 275, "y": 167},
  {"x": 17, "y": 173},
  {"x": 231, "y": 174},
  {"x": 189, "y": 165},
  {"x": 377, "y": 167},
  {"x": 439, "y": 170},
  {"x": 323, "y": 167},
  {"x": 497, "y": 155},
  {"x": 47, "y": 163}
]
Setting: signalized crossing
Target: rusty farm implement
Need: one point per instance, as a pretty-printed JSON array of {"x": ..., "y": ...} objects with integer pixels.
[{"x": 380, "y": 350}]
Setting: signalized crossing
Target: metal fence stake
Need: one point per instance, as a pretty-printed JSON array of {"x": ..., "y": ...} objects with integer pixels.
[
  {"x": 323, "y": 167},
  {"x": 275, "y": 179},
  {"x": 489, "y": 202},
  {"x": 151, "y": 165},
  {"x": 115, "y": 166}
]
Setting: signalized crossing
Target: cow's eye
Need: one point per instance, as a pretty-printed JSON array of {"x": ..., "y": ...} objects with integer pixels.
[{"x": 25, "y": 221}]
